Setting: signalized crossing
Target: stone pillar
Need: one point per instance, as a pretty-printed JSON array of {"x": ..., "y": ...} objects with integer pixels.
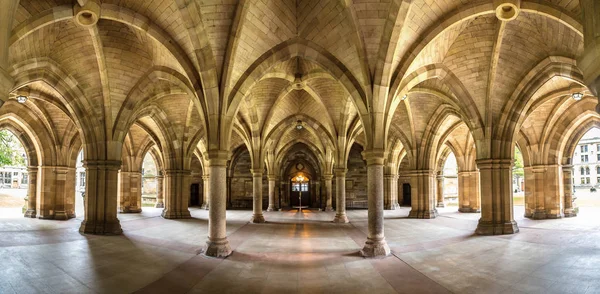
[
  {"x": 569, "y": 206},
  {"x": 130, "y": 192},
  {"x": 542, "y": 192},
  {"x": 328, "y": 192},
  {"x": 52, "y": 202},
  {"x": 387, "y": 192},
  {"x": 496, "y": 197},
  {"x": 468, "y": 192},
  {"x": 588, "y": 62},
  {"x": 31, "y": 192},
  {"x": 177, "y": 194},
  {"x": 206, "y": 192},
  {"x": 70, "y": 194},
  {"x": 272, "y": 205},
  {"x": 395, "y": 204},
  {"x": 257, "y": 203},
  {"x": 101, "y": 198},
  {"x": 440, "y": 191},
  {"x": 375, "y": 246},
  {"x": 423, "y": 198},
  {"x": 160, "y": 196},
  {"x": 340, "y": 199},
  {"x": 217, "y": 244}
]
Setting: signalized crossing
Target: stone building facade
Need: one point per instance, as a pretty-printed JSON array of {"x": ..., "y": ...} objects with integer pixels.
[{"x": 317, "y": 83}]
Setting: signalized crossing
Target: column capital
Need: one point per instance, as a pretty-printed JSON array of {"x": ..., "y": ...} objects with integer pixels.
[
  {"x": 217, "y": 157},
  {"x": 374, "y": 156},
  {"x": 340, "y": 172},
  {"x": 567, "y": 167},
  {"x": 32, "y": 169},
  {"x": 490, "y": 163},
  {"x": 102, "y": 164},
  {"x": 272, "y": 177},
  {"x": 327, "y": 177},
  {"x": 172, "y": 172},
  {"x": 206, "y": 177},
  {"x": 440, "y": 177},
  {"x": 257, "y": 172}
]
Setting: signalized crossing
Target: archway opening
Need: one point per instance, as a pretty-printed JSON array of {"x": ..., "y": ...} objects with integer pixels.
[
  {"x": 518, "y": 178},
  {"x": 79, "y": 186},
  {"x": 300, "y": 191},
  {"x": 149, "y": 181},
  {"x": 586, "y": 171},
  {"x": 449, "y": 191},
  {"x": 14, "y": 179}
]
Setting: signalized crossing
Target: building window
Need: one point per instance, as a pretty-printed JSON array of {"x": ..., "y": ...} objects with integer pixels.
[
  {"x": 25, "y": 179},
  {"x": 82, "y": 179},
  {"x": 584, "y": 148},
  {"x": 587, "y": 171},
  {"x": 587, "y": 180},
  {"x": 598, "y": 147},
  {"x": 598, "y": 156},
  {"x": 582, "y": 171},
  {"x": 583, "y": 181},
  {"x": 7, "y": 177},
  {"x": 584, "y": 158}
]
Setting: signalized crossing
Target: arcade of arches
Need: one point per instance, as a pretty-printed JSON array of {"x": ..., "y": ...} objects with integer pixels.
[{"x": 235, "y": 99}]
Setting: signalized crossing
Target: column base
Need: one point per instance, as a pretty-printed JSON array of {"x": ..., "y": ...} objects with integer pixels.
[
  {"x": 570, "y": 212},
  {"x": 205, "y": 206},
  {"x": 441, "y": 205},
  {"x": 536, "y": 214},
  {"x": 424, "y": 214},
  {"x": 329, "y": 208},
  {"x": 258, "y": 218},
  {"x": 30, "y": 213},
  {"x": 270, "y": 208},
  {"x": 489, "y": 228},
  {"x": 217, "y": 248},
  {"x": 341, "y": 218},
  {"x": 130, "y": 210},
  {"x": 395, "y": 206},
  {"x": 375, "y": 248},
  {"x": 159, "y": 205},
  {"x": 61, "y": 215},
  {"x": 106, "y": 228},
  {"x": 469, "y": 210},
  {"x": 170, "y": 214}
]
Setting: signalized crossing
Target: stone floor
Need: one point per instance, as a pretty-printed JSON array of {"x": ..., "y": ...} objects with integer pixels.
[{"x": 302, "y": 253}]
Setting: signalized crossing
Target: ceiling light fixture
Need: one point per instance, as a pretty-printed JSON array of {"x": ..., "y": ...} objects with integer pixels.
[
  {"x": 21, "y": 99},
  {"x": 577, "y": 96},
  {"x": 404, "y": 97},
  {"x": 299, "y": 125}
]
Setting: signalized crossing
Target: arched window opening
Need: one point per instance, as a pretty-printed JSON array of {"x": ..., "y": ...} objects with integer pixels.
[
  {"x": 149, "y": 181},
  {"x": 518, "y": 173},
  {"x": 586, "y": 182},
  {"x": 450, "y": 181},
  {"x": 14, "y": 179},
  {"x": 79, "y": 185}
]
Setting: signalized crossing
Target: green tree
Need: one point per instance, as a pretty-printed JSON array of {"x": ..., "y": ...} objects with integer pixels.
[
  {"x": 10, "y": 150},
  {"x": 518, "y": 167}
]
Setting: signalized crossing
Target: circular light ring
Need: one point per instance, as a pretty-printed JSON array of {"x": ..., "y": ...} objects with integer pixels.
[
  {"x": 21, "y": 99},
  {"x": 87, "y": 15},
  {"x": 507, "y": 10},
  {"x": 577, "y": 96}
]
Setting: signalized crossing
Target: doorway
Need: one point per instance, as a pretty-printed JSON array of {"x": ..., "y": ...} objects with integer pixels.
[
  {"x": 195, "y": 195},
  {"x": 406, "y": 195},
  {"x": 300, "y": 187}
]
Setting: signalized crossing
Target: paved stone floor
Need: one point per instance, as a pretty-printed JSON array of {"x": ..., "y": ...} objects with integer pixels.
[{"x": 302, "y": 253}]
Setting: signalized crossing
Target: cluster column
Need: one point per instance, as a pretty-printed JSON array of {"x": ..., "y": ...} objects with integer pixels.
[
  {"x": 130, "y": 194},
  {"x": 422, "y": 183},
  {"x": 177, "y": 194},
  {"x": 257, "y": 216},
  {"x": 217, "y": 244},
  {"x": 160, "y": 196},
  {"x": 569, "y": 207},
  {"x": 496, "y": 197},
  {"x": 31, "y": 192},
  {"x": 375, "y": 246},
  {"x": 101, "y": 197},
  {"x": 468, "y": 192},
  {"x": 206, "y": 192},
  {"x": 53, "y": 202},
  {"x": 328, "y": 192},
  {"x": 440, "y": 191},
  {"x": 340, "y": 193},
  {"x": 542, "y": 192},
  {"x": 272, "y": 205}
]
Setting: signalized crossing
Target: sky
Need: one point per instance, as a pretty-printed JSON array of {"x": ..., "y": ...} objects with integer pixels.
[{"x": 593, "y": 133}]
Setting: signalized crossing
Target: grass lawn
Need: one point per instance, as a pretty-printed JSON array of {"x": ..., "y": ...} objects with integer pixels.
[{"x": 519, "y": 200}]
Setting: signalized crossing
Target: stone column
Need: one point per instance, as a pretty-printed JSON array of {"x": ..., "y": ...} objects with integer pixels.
[
  {"x": 440, "y": 191},
  {"x": 31, "y": 192},
  {"x": 542, "y": 192},
  {"x": 101, "y": 198},
  {"x": 160, "y": 196},
  {"x": 130, "y": 194},
  {"x": 206, "y": 192},
  {"x": 70, "y": 194},
  {"x": 569, "y": 207},
  {"x": 588, "y": 62},
  {"x": 468, "y": 192},
  {"x": 257, "y": 203},
  {"x": 395, "y": 204},
  {"x": 60, "y": 207},
  {"x": 217, "y": 244},
  {"x": 52, "y": 203},
  {"x": 272, "y": 205},
  {"x": 340, "y": 199},
  {"x": 375, "y": 246},
  {"x": 496, "y": 197},
  {"x": 423, "y": 198},
  {"x": 328, "y": 192},
  {"x": 387, "y": 192},
  {"x": 177, "y": 194}
]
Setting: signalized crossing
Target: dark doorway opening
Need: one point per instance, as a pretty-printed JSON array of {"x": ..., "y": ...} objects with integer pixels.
[
  {"x": 195, "y": 195},
  {"x": 406, "y": 197},
  {"x": 300, "y": 189}
]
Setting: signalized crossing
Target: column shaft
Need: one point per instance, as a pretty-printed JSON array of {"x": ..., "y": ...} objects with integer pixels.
[
  {"x": 271, "y": 193},
  {"x": 217, "y": 244},
  {"x": 101, "y": 198},
  {"x": 496, "y": 197},
  {"x": 130, "y": 192},
  {"x": 206, "y": 192},
  {"x": 31, "y": 192},
  {"x": 423, "y": 196},
  {"x": 177, "y": 194},
  {"x": 257, "y": 203},
  {"x": 328, "y": 192},
  {"x": 569, "y": 207},
  {"x": 340, "y": 191},
  {"x": 440, "y": 191},
  {"x": 468, "y": 192},
  {"x": 160, "y": 197},
  {"x": 375, "y": 246}
]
